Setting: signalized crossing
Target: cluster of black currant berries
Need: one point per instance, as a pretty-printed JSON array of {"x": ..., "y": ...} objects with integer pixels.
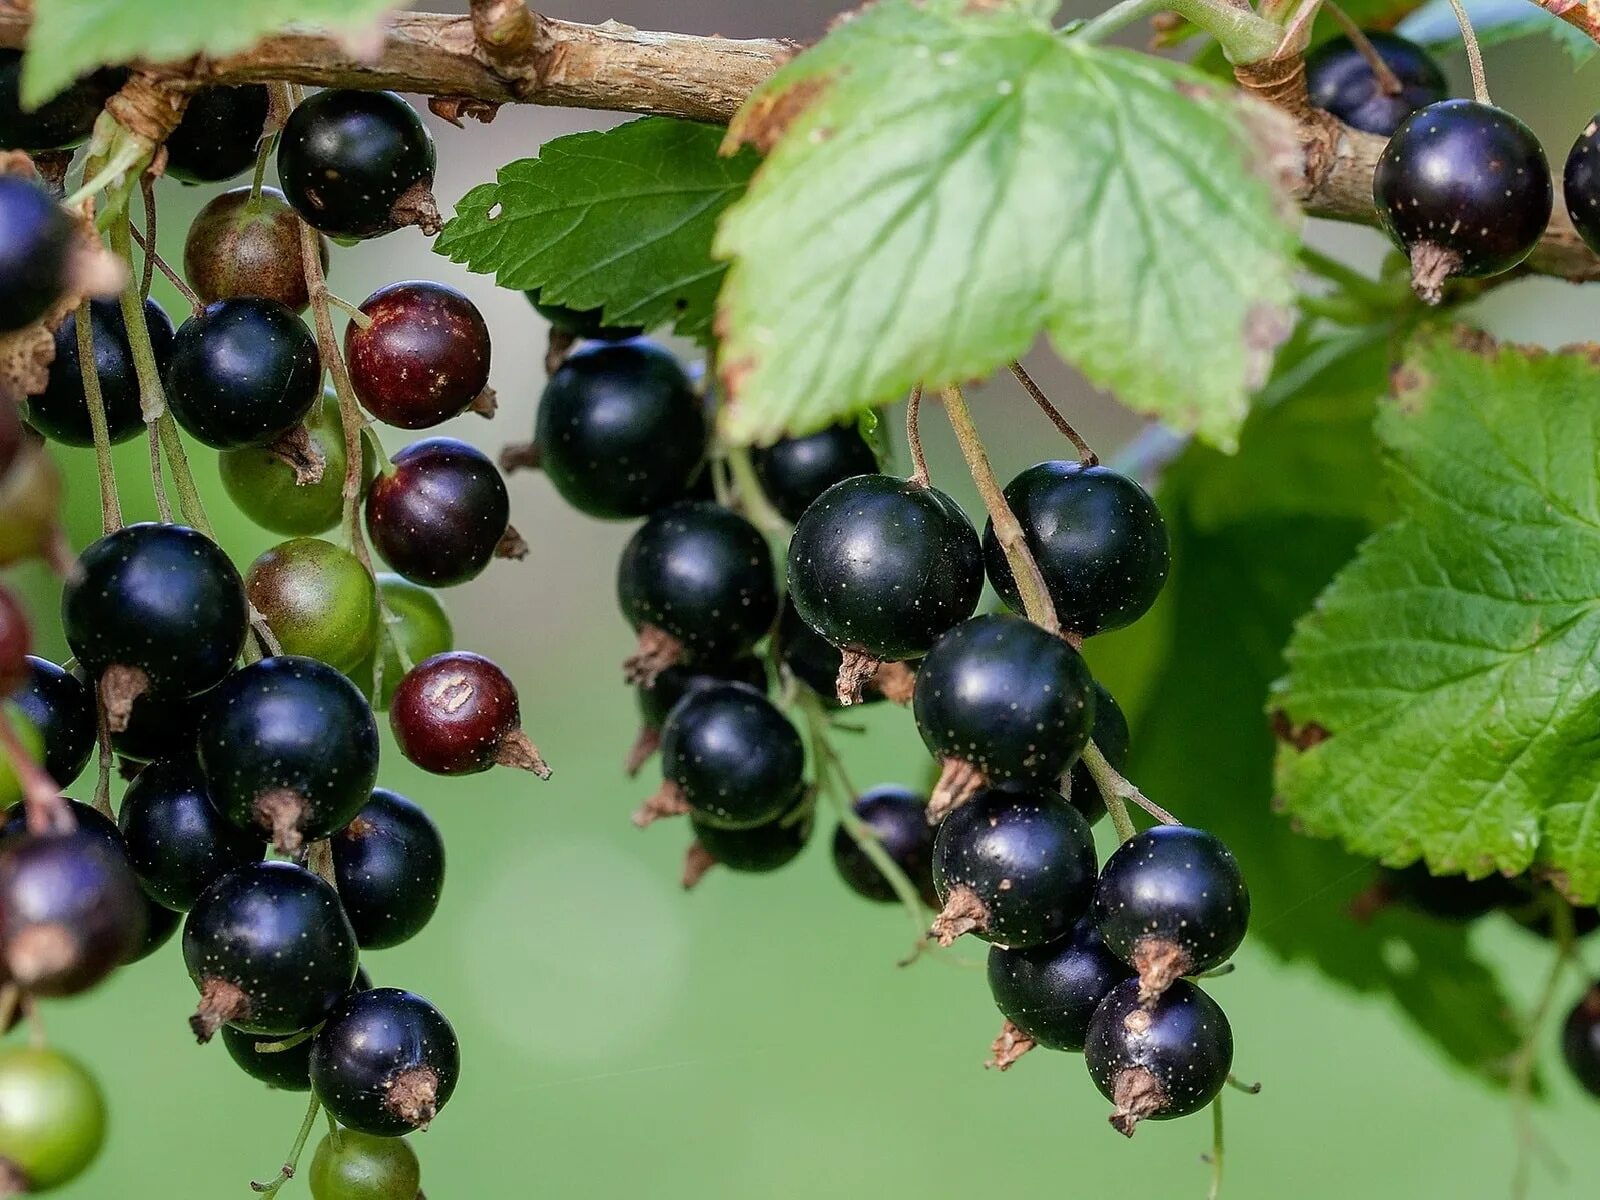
[
  {"x": 1462, "y": 187},
  {"x": 230, "y": 754}
]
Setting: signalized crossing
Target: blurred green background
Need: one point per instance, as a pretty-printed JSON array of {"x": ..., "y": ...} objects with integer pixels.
[{"x": 755, "y": 1038}]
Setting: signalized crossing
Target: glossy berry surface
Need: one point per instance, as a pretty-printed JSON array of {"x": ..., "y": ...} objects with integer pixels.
[
  {"x": 1161, "y": 1061},
  {"x": 346, "y": 159},
  {"x": 60, "y": 122},
  {"x": 1050, "y": 992},
  {"x": 1342, "y": 82},
  {"x": 456, "y": 714},
  {"x": 59, "y": 706},
  {"x": 1006, "y": 697},
  {"x": 61, "y": 411},
  {"x": 736, "y": 760},
  {"x": 1172, "y": 901},
  {"x": 264, "y": 487},
  {"x": 1110, "y": 735},
  {"x": 423, "y": 356},
  {"x": 703, "y": 575},
  {"x": 52, "y": 1116},
  {"x": 898, "y": 818},
  {"x": 217, "y": 137},
  {"x": 160, "y": 923},
  {"x": 620, "y": 429},
  {"x": 759, "y": 850},
  {"x": 35, "y": 253},
  {"x": 1098, "y": 538},
  {"x": 318, "y": 600},
  {"x": 389, "y": 867},
  {"x": 674, "y": 683},
  {"x": 439, "y": 517},
  {"x": 288, "y": 1070},
  {"x": 795, "y": 471},
  {"x": 417, "y": 622},
  {"x": 814, "y": 660},
  {"x": 70, "y": 910},
  {"x": 177, "y": 842},
  {"x": 1580, "y": 184},
  {"x": 1580, "y": 1041},
  {"x": 883, "y": 567},
  {"x": 244, "y": 372},
  {"x": 385, "y": 1063},
  {"x": 241, "y": 244},
  {"x": 163, "y": 599},
  {"x": 288, "y": 746},
  {"x": 1015, "y": 868},
  {"x": 270, "y": 949},
  {"x": 1464, "y": 189},
  {"x": 358, "y": 1166},
  {"x": 587, "y": 323},
  {"x": 15, "y": 641},
  {"x": 159, "y": 727}
]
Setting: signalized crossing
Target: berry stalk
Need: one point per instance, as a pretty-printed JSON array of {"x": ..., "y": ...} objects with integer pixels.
[
  {"x": 292, "y": 1163},
  {"x": 110, "y": 504}
]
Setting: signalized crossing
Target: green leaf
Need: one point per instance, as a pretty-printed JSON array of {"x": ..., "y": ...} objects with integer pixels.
[
  {"x": 72, "y": 37},
  {"x": 1494, "y": 22},
  {"x": 944, "y": 184},
  {"x": 619, "y": 220},
  {"x": 1452, "y": 668}
]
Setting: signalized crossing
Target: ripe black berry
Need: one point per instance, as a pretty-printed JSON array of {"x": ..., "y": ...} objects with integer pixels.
[
  {"x": 1341, "y": 81},
  {"x": 1464, "y": 189},
  {"x": 389, "y": 867},
  {"x": 589, "y": 323},
  {"x": 438, "y": 519},
  {"x": 288, "y": 746},
  {"x": 1580, "y": 184},
  {"x": 815, "y": 662},
  {"x": 729, "y": 757},
  {"x": 244, "y": 372},
  {"x": 61, "y": 411},
  {"x": 1172, "y": 902},
  {"x": 756, "y": 851},
  {"x": 318, "y": 599},
  {"x": 217, "y": 137},
  {"x": 620, "y": 430},
  {"x": 1110, "y": 736},
  {"x": 36, "y": 253},
  {"x": 881, "y": 567},
  {"x": 795, "y": 471},
  {"x": 898, "y": 818},
  {"x": 177, "y": 842},
  {"x": 458, "y": 714},
  {"x": 672, "y": 685},
  {"x": 60, "y": 707},
  {"x": 244, "y": 243},
  {"x": 696, "y": 582},
  {"x": 422, "y": 358},
  {"x": 288, "y": 1070},
  {"x": 1014, "y": 867},
  {"x": 52, "y": 1118},
  {"x": 356, "y": 164},
  {"x": 265, "y": 487},
  {"x": 1161, "y": 1061},
  {"x": 60, "y": 122},
  {"x": 1098, "y": 538},
  {"x": 1580, "y": 1040},
  {"x": 270, "y": 949},
  {"x": 153, "y": 608},
  {"x": 385, "y": 1063},
  {"x": 159, "y": 727},
  {"x": 160, "y": 923},
  {"x": 999, "y": 699},
  {"x": 1049, "y": 993}
]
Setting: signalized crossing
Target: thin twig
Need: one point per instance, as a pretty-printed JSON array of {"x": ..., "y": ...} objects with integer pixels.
[
  {"x": 158, "y": 481},
  {"x": 292, "y": 1163},
  {"x": 1480, "y": 85},
  {"x": 919, "y": 460},
  {"x": 1118, "y": 792},
  {"x": 102, "y": 753},
  {"x": 1086, "y": 456},
  {"x": 147, "y": 192},
  {"x": 1216, "y": 1149},
  {"x": 94, "y": 399},
  {"x": 752, "y": 501},
  {"x": 152, "y": 259}
]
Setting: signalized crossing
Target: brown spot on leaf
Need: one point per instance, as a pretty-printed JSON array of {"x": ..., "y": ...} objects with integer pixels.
[
  {"x": 764, "y": 120},
  {"x": 1301, "y": 737}
]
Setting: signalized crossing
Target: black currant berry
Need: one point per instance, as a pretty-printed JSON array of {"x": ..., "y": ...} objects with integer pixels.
[
  {"x": 620, "y": 430},
  {"x": 1341, "y": 81},
  {"x": 588, "y": 323},
  {"x": 422, "y": 357},
  {"x": 52, "y": 1119},
  {"x": 696, "y": 582},
  {"x": 457, "y": 714},
  {"x": 1581, "y": 184},
  {"x": 1098, "y": 538},
  {"x": 1111, "y": 738},
  {"x": 244, "y": 372},
  {"x": 36, "y": 253},
  {"x": 1464, "y": 189},
  {"x": 1155, "y": 1062},
  {"x": 356, "y": 164},
  {"x": 1048, "y": 993},
  {"x": 881, "y": 567},
  {"x": 160, "y": 923},
  {"x": 815, "y": 662},
  {"x": 270, "y": 949},
  {"x": 288, "y": 746},
  {"x": 60, "y": 122},
  {"x": 288, "y": 1070},
  {"x": 441, "y": 515},
  {"x": 356, "y": 1166},
  {"x": 1013, "y": 867},
  {"x": 672, "y": 685},
  {"x": 1580, "y": 1040},
  {"x": 217, "y": 137},
  {"x": 385, "y": 1063},
  {"x": 757, "y": 851},
  {"x": 389, "y": 867},
  {"x": 1000, "y": 700},
  {"x": 1172, "y": 902},
  {"x": 153, "y": 608},
  {"x": 795, "y": 471},
  {"x": 61, "y": 708},
  {"x": 247, "y": 243},
  {"x": 898, "y": 819},
  {"x": 159, "y": 727},
  {"x": 61, "y": 411},
  {"x": 70, "y": 910},
  {"x": 177, "y": 842},
  {"x": 728, "y": 757}
]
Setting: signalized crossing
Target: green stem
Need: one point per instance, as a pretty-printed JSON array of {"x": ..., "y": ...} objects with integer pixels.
[
  {"x": 110, "y": 503},
  {"x": 158, "y": 481},
  {"x": 189, "y": 503},
  {"x": 751, "y": 498},
  {"x": 292, "y": 1163},
  {"x": 1480, "y": 84},
  {"x": 1119, "y": 15},
  {"x": 1526, "y": 1059},
  {"x": 1118, "y": 793},
  {"x": 1243, "y": 36},
  {"x": 1368, "y": 291},
  {"x": 1216, "y": 1149}
]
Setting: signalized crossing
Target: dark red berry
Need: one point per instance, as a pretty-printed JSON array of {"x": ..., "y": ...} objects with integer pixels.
[
  {"x": 1341, "y": 81},
  {"x": 177, "y": 842},
  {"x": 217, "y": 137},
  {"x": 422, "y": 358},
  {"x": 15, "y": 642},
  {"x": 61, "y": 411},
  {"x": 898, "y": 819},
  {"x": 61, "y": 708},
  {"x": 1159, "y": 1061},
  {"x": 795, "y": 471},
  {"x": 244, "y": 372},
  {"x": 389, "y": 867},
  {"x": 439, "y": 517},
  {"x": 457, "y": 714},
  {"x": 245, "y": 243},
  {"x": 385, "y": 1063},
  {"x": 60, "y": 122},
  {"x": 1049, "y": 993},
  {"x": 35, "y": 254}
]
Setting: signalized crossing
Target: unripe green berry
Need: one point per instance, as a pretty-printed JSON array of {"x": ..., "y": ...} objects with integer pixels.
[
  {"x": 52, "y": 1117},
  {"x": 356, "y": 1166},
  {"x": 318, "y": 600}
]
